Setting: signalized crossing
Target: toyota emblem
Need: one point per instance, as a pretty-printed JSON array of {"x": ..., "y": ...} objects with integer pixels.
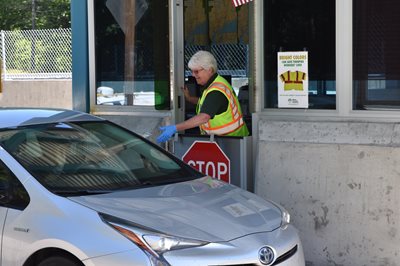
[{"x": 267, "y": 255}]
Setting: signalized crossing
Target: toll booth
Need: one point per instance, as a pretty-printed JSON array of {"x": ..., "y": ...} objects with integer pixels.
[{"x": 137, "y": 53}]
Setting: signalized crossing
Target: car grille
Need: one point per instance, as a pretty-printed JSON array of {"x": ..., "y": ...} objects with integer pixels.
[
  {"x": 286, "y": 256},
  {"x": 279, "y": 260},
  {"x": 250, "y": 264}
]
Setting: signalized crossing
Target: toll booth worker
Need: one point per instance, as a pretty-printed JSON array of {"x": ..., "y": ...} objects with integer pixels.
[{"x": 218, "y": 110}]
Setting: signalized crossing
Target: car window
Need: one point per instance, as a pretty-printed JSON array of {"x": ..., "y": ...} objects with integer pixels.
[
  {"x": 91, "y": 157},
  {"x": 12, "y": 192}
]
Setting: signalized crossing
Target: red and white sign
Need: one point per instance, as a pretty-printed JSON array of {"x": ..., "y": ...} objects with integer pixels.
[
  {"x": 208, "y": 158},
  {"x": 237, "y": 3}
]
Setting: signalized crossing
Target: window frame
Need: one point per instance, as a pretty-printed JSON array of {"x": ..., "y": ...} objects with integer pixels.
[
  {"x": 13, "y": 178},
  {"x": 125, "y": 109},
  {"x": 344, "y": 73}
]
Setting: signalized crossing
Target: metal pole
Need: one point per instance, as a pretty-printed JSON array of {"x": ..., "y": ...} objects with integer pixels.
[
  {"x": 3, "y": 50},
  {"x": 33, "y": 59}
]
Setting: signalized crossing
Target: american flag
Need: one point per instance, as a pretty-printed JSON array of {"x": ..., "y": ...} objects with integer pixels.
[{"x": 237, "y": 3}]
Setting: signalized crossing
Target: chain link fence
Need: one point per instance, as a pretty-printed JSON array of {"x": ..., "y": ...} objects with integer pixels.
[
  {"x": 47, "y": 54},
  {"x": 232, "y": 59},
  {"x": 36, "y": 54}
]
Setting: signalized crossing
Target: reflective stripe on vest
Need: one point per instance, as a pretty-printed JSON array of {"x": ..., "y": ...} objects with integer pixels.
[
  {"x": 235, "y": 115},
  {"x": 223, "y": 130}
]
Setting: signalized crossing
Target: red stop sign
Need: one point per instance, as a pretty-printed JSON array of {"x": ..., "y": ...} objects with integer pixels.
[{"x": 208, "y": 158}]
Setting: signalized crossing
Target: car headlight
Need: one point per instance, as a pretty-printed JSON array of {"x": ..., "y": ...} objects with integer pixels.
[
  {"x": 153, "y": 243},
  {"x": 163, "y": 243},
  {"x": 285, "y": 215},
  {"x": 285, "y": 218}
]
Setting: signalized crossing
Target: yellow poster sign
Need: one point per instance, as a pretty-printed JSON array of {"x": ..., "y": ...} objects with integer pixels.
[{"x": 293, "y": 79}]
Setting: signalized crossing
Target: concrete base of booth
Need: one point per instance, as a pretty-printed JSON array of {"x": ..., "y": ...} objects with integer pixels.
[{"x": 237, "y": 149}]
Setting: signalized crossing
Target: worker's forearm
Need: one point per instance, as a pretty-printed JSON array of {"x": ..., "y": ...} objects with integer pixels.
[
  {"x": 192, "y": 99},
  {"x": 193, "y": 122}
]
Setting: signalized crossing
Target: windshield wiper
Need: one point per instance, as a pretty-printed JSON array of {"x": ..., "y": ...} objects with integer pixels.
[{"x": 74, "y": 193}]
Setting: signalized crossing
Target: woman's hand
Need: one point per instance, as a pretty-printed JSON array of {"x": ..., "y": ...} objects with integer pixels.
[
  {"x": 188, "y": 97},
  {"x": 186, "y": 92}
]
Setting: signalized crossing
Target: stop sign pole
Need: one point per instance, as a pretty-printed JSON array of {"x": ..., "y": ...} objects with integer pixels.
[{"x": 208, "y": 158}]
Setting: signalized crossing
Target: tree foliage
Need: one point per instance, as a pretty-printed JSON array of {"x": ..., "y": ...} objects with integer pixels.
[{"x": 47, "y": 14}]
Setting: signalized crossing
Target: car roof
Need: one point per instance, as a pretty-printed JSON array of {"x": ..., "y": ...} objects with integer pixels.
[{"x": 15, "y": 117}]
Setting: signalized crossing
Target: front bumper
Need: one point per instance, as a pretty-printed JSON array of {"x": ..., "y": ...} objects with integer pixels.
[{"x": 244, "y": 251}]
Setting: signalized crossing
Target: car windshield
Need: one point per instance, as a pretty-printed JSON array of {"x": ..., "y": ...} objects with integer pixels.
[{"x": 91, "y": 157}]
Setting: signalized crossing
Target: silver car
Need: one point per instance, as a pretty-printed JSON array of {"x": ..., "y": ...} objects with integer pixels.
[{"x": 76, "y": 189}]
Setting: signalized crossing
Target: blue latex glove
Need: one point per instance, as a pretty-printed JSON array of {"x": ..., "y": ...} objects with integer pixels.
[{"x": 167, "y": 132}]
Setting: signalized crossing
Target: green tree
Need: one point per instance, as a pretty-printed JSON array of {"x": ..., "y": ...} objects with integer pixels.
[
  {"x": 38, "y": 14},
  {"x": 53, "y": 14}
]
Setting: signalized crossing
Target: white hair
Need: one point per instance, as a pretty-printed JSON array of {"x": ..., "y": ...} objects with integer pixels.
[{"x": 203, "y": 59}]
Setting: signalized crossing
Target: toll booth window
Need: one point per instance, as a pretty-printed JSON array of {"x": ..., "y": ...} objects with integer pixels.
[
  {"x": 217, "y": 26},
  {"x": 132, "y": 53},
  {"x": 376, "y": 54},
  {"x": 297, "y": 26}
]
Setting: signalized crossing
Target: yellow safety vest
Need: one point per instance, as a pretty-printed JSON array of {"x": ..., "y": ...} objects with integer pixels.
[
  {"x": 293, "y": 80},
  {"x": 228, "y": 123}
]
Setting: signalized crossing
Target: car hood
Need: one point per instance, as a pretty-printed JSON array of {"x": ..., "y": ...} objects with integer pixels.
[{"x": 204, "y": 209}]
